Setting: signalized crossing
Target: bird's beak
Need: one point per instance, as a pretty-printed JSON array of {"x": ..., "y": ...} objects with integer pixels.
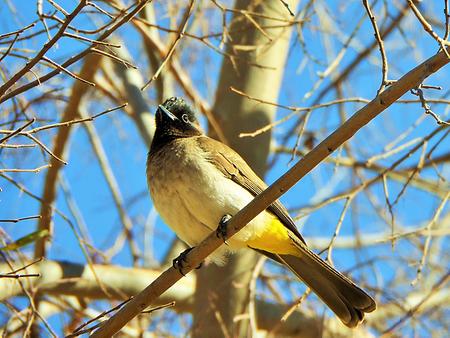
[{"x": 165, "y": 112}]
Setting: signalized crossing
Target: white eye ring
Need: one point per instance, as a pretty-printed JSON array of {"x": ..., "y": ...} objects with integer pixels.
[{"x": 185, "y": 118}]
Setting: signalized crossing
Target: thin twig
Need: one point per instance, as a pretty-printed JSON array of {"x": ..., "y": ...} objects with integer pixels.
[
  {"x": 58, "y": 7},
  {"x": 94, "y": 42},
  {"x": 19, "y": 219},
  {"x": 169, "y": 53},
  {"x": 69, "y": 123},
  {"x": 65, "y": 70},
  {"x": 77, "y": 331},
  {"x": 5, "y": 54},
  {"x": 285, "y": 4},
  {"x": 362, "y": 56},
  {"x": 428, "y": 28},
  {"x": 337, "y": 229},
  {"x": 15, "y": 276},
  {"x": 75, "y": 58},
  {"x": 419, "y": 92},
  {"x": 27, "y": 265},
  {"x": 44, "y": 147},
  {"x": 436, "y": 287},
  {"x": 2, "y": 36},
  {"x": 160, "y": 307},
  {"x": 114, "y": 188},
  {"x": 16, "y": 170},
  {"x": 447, "y": 20},
  {"x": 17, "y": 146},
  {"x": 78, "y": 91},
  {"x": 30, "y": 64},
  {"x": 428, "y": 228},
  {"x": 114, "y": 57},
  {"x": 101, "y": 10},
  {"x": 18, "y": 130},
  {"x": 258, "y": 27},
  {"x": 378, "y": 38},
  {"x": 184, "y": 80}
]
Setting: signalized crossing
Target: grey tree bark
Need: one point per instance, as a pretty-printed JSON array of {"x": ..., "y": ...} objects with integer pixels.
[{"x": 223, "y": 292}]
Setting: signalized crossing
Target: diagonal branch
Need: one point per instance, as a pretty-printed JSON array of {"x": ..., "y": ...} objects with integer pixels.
[{"x": 262, "y": 201}]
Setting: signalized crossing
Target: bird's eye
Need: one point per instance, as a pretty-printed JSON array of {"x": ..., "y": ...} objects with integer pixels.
[{"x": 185, "y": 118}]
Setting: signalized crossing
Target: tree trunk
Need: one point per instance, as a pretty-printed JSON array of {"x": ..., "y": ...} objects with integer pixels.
[{"x": 223, "y": 292}]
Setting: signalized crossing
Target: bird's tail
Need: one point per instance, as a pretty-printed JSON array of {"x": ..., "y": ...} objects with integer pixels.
[{"x": 344, "y": 298}]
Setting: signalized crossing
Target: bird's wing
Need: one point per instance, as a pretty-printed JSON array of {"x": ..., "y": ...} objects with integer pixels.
[{"x": 233, "y": 166}]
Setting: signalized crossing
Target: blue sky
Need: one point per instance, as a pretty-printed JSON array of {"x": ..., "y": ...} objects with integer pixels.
[{"x": 127, "y": 152}]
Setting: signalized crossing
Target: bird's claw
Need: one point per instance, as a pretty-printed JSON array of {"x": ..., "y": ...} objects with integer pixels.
[
  {"x": 221, "y": 231},
  {"x": 179, "y": 262}
]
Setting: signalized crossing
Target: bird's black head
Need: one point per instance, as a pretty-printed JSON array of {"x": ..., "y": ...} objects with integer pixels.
[{"x": 174, "y": 119}]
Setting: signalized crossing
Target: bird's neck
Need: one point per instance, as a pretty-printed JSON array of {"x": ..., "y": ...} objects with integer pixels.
[{"x": 160, "y": 140}]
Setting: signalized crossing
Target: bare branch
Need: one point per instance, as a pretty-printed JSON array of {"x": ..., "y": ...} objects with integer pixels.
[
  {"x": 49, "y": 44},
  {"x": 384, "y": 77},
  {"x": 169, "y": 53},
  {"x": 262, "y": 201}
]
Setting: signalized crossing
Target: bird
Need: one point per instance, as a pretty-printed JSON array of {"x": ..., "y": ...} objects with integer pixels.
[{"x": 198, "y": 183}]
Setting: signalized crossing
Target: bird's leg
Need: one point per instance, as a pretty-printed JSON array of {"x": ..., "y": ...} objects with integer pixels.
[
  {"x": 221, "y": 231},
  {"x": 178, "y": 263}
]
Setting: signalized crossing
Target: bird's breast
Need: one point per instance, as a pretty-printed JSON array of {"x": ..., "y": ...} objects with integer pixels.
[{"x": 191, "y": 194}]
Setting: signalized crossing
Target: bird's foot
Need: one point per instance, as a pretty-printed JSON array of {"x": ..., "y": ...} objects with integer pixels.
[
  {"x": 221, "y": 231},
  {"x": 179, "y": 262}
]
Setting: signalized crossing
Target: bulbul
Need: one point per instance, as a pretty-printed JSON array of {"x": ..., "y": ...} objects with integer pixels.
[{"x": 196, "y": 182}]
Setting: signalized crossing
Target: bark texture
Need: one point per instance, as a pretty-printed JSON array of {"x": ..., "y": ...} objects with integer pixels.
[{"x": 257, "y": 69}]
